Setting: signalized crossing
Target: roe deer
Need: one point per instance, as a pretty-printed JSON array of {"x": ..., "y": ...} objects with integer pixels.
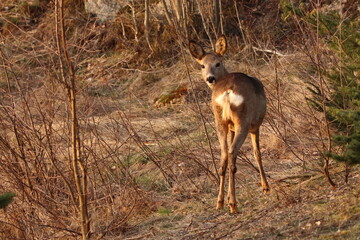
[{"x": 239, "y": 105}]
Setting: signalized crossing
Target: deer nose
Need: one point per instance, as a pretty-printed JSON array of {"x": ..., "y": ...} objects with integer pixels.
[{"x": 211, "y": 79}]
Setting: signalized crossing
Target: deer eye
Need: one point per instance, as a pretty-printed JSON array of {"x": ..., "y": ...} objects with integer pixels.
[
  {"x": 217, "y": 65},
  {"x": 202, "y": 66}
]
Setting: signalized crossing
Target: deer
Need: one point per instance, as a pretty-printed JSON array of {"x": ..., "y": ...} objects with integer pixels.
[{"x": 239, "y": 105}]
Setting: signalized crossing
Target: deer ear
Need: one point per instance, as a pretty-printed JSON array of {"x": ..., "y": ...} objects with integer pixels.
[
  {"x": 196, "y": 50},
  {"x": 220, "y": 45}
]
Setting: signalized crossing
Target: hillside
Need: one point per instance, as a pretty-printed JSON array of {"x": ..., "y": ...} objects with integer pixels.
[{"x": 107, "y": 130}]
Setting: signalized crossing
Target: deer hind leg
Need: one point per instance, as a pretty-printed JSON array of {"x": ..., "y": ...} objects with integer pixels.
[
  {"x": 257, "y": 155},
  {"x": 230, "y": 140},
  {"x": 239, "y": 138},
  {"x": 222, "y": 130}
]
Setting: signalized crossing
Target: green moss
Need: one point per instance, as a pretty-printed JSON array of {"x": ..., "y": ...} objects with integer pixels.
[{"x": 164, "y": 211}]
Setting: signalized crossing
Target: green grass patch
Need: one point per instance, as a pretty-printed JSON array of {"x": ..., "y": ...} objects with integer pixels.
[
  {"x": 164, "y": 211},
  {"x": 150, "y": 183}
]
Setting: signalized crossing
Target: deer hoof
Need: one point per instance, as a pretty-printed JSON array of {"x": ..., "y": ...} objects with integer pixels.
[
  {"x": 233, "y": 208},
  {"x": 220, "y": 205}
]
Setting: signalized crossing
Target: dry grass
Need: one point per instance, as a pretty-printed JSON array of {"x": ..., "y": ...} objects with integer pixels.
[{"x": 148, "y": 162}]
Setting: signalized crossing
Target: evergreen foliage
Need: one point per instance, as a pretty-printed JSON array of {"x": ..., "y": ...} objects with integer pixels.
[{"x": 342, "y": 105}]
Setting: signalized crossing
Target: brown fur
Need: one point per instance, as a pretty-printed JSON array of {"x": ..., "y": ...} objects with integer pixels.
[{"x": 236, "y": 119}]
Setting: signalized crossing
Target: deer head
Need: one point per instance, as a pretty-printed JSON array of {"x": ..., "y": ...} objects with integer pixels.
[{"x": 212, "y": 66}]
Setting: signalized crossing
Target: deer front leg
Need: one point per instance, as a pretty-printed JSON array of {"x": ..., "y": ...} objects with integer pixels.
[
  {"x": 222, "y": 135},
  {"x": 239, "y": 138},
  {"x": 257, "y": 155}
]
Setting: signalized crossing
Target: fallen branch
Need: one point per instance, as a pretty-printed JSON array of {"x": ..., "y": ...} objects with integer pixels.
[{"x": 275, "y": 52}]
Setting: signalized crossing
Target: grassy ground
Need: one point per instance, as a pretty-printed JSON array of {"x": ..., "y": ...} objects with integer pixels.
[
  {"x": 151, "y": 172},
  {"x": 308, "y": 209}
]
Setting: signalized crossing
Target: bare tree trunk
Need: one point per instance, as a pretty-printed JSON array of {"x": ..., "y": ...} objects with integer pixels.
[
  {"x": 221, "y": 18},
  {"x": 239, "y": 22},
  {"x": 204, "y": 23},
  {"x": 147, "y": 23},
  {"x": 178, "y": 10},
  {"x": 217, "y": 16},
  {"x": 184, "y": 13},
  {"x": 136, "y": 31},
  {"x": 166, "y": 11},
  {"x": 68, "y": 81}
]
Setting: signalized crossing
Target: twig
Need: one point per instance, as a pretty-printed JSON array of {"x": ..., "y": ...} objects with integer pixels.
[
  {"x": 217, "y": 177},
  {"x": 275, "y": 52},
  {"x": 149, "y": 153}
]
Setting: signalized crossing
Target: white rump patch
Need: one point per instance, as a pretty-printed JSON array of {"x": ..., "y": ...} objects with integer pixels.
[
  {"x": 236, "y": 99},
  {"x": 221, "y": 99},
  {"x": 226, "y": 99},
  {"x": 229, "y": 95}
]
